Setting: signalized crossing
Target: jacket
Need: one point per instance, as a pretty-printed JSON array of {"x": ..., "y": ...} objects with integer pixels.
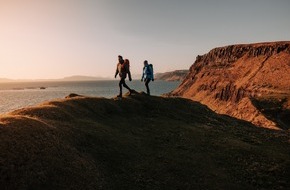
[
  {"x": 122, "y": 70},
  {"x": 148, "y": 72}
]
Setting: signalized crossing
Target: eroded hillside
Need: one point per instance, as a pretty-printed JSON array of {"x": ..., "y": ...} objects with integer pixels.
[{"x": 233, "y": 79}]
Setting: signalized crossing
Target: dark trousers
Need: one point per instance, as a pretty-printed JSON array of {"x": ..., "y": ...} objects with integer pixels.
[
  {"x": 147, "y": 85},
  {"x": 122, "y": 82}
]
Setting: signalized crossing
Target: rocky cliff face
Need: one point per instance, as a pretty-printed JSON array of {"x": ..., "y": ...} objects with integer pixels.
[{"x": 229, "y": 79}]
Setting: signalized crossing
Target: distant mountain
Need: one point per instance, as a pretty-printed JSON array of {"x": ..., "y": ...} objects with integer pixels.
[
  {"x": 6, "y": 80},
  {"x": 178, "y": 75},
  {"x": 246, "y": 81},
  {"x": 70, "y": 78},
  {"x": 83, "y": 78}
]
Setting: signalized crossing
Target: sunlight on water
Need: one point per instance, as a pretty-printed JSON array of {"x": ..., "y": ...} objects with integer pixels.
[{"x": 18, "y": 95}]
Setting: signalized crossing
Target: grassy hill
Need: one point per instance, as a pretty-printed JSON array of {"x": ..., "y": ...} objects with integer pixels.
[{"x": 139, "y": 142}]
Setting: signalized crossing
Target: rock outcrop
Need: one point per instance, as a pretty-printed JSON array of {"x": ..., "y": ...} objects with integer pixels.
[{"x": 229, "y": 79}]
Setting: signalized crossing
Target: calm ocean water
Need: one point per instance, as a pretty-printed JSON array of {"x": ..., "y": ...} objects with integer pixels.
[{"x": 18, "y": 95}]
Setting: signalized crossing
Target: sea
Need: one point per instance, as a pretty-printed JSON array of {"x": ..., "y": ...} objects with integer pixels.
[{"x": 16, "y": 95}]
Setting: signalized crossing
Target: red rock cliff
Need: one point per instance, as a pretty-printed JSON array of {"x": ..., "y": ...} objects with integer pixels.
[{"x": 227, "y": 79}]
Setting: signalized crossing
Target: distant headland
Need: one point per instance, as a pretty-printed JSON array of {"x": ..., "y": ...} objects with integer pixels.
[{"x": 69, "y": 78}]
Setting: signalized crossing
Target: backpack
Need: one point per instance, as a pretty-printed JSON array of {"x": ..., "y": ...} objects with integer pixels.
[
  {"x": 151, "y": 67},
  {"x": 125, "y": 66}
]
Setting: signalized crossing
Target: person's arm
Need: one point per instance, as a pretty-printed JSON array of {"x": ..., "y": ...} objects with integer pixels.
[
  {"x": 142, "y": 74},
  {"x": 129, "y": 73},
  {"x": 152, "y": 73},
  {"x": 117, "y": 71}
]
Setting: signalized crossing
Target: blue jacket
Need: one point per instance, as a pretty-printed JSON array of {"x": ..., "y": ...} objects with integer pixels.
[{"x": 148, "y": 72}]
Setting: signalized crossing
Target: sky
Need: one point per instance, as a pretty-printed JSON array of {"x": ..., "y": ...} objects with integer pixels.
[{"x": 50, "y": 39}]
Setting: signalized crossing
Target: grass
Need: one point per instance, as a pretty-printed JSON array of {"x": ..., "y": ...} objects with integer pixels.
[{"x": 139, "y": 142}]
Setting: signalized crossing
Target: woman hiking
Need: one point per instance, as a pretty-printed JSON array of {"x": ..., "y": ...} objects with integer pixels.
[
  {"x": 123, "y": 67},
  {"x": 147, "y": 75}
]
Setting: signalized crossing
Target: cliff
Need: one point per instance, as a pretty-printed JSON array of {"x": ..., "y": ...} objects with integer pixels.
[
  {"x": 232, "y": 80},
  {"x": 178, "y": 75},
  {"x": 139, "y": 142}
]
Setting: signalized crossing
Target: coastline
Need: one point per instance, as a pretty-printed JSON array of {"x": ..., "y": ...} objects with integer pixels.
[{"x": 30, "y": 94}]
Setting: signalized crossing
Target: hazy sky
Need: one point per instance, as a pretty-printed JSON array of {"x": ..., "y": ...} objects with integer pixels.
[{"x": 58, "y": 38}]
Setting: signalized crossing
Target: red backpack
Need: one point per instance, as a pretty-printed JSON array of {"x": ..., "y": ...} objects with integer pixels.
[{"x": 126, "y": 65}]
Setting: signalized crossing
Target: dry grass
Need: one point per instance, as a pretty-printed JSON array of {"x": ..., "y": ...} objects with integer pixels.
[{"x": 139, "y": 142}]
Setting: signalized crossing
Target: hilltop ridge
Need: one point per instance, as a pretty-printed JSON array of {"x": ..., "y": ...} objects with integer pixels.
[
  {"x": 237, "y": 80},
  {"x": 138, "y": 142}
]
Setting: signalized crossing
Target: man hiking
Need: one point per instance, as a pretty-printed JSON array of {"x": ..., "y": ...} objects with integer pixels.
[
  {"x": 147, "y": 75},
  {"x": 123, "y": 68}
]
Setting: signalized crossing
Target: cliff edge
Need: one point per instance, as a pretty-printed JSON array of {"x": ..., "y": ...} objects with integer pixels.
[
  {"x": 139, "y": 142},
  {"x": 243, "y": 81}
]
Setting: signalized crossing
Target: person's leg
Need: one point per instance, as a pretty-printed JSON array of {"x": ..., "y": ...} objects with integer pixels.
[
  {"x": 147, "y": 85},
  {"x": 125, "y": 85},
  {"x": 120, "y": 86}
]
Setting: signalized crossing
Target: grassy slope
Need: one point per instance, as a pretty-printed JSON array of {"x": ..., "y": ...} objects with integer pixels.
[{"x": 138, "y": 142}]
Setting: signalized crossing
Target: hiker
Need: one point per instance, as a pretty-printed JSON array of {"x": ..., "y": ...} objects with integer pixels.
[
  {"x": 123, "y": 67},
  {"x": 147, "y": 75}
]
